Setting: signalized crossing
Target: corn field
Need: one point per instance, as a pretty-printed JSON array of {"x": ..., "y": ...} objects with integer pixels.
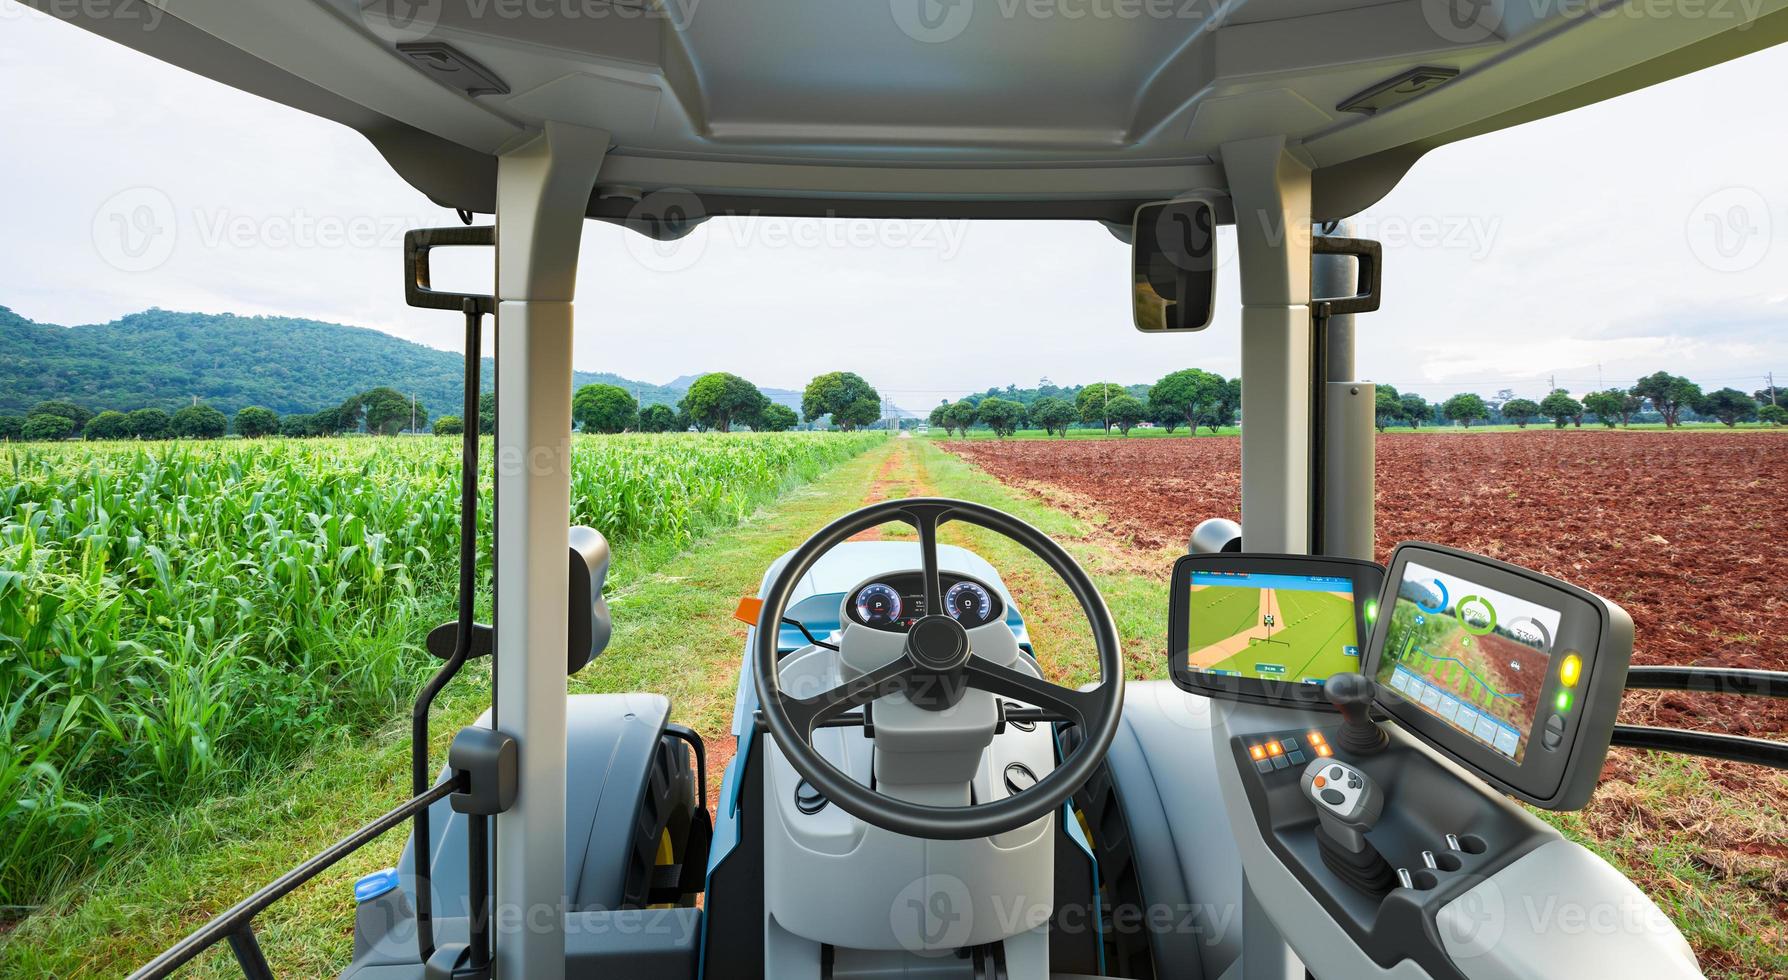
[{"x": 175, "y": 618}]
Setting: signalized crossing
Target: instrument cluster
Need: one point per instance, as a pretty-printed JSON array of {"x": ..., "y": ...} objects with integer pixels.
[{"x": 894, "y": 602}]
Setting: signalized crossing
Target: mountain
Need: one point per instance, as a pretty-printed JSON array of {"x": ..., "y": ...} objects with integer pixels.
[{"x": 163, "y": 359}]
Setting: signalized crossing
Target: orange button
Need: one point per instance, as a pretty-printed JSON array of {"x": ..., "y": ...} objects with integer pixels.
[
  {"x": 1320, "y": 781},
  {"x": 1274, "y": 748},
  {"x": 1324, "y": 751},
  {"x": 1256, "y": 753},
  {"x": 1316, "y": 738}
]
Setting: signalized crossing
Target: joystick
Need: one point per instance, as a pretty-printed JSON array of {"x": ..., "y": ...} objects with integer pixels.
[
  {"x": 1351, "y": 694},
  {"x": 1348, "y": 804}
]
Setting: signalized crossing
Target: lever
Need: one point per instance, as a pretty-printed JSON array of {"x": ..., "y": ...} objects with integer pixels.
[
  {"x": 1351, "y": 694},
  {"x": 1348, "y": 804}
]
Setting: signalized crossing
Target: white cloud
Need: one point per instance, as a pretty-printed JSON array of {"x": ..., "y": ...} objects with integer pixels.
[{"x": 1580, "y": 247}]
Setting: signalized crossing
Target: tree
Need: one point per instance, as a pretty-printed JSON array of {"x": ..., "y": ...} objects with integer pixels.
[
  {"x": 717, "y": 400},
  {"x": 604, "y": 408},
  {"x": 1194, "y": 393},
  {"x": 255, "y": 422},
  {"x": 960, "y": 416},
  {"x": 1669, "y": 394},
  {"x": 1561, "y": 408},
  {"x": 389, "y": 411},
  {"x": 200, "y": 421},
  {"x": 1416, "y": 409},
  {"x": 843, "y": 395},
  {"x": 108, "y": 425},
  {"x": 42, "y": 427},
  {"x": 1126, "y": 411},
  {"x": 1093, "y": 399},
  {"x": 450, "y": 425},
  {"x": 1229, "y": 399},
  {"x": 1768, "y": 414},
  {"x": 150, "y": 423},
  {"x": 777, "y": 418},
  {"x": 1730, "y": 406},
  {"x": 657, "y": 418},
  {"x": 936, "y": 418},
  {"x": 1167, "y": 417},
  {"x": 1001, "y": 415},
  {"x": 1387, "y": 407},
  {"x": 298, "y": 425},
  {"x": 1613, "y": 406},
  {"x": 1521, "y": 411},
  {"x": 1465, "y": 408},
  {"x": 487, "y": 413},
  {"x": 11, "y": 427},
  {"x": 1054, "y": 415},
  {"x": 75, "y": 414}
]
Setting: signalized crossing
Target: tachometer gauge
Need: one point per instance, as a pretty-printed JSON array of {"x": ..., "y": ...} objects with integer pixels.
[
  {"x": 878, "y": 604},
  {"x": 968, "y": 603}
]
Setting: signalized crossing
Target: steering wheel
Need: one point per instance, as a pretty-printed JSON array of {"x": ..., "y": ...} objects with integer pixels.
[{"x": 936, "y": 666}]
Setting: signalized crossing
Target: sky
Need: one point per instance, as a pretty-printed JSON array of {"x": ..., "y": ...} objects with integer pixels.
[{"x": 1587, "y": 249}]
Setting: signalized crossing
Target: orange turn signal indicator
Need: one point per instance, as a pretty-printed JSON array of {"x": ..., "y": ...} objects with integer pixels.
[{"x": 749, "y": 610}]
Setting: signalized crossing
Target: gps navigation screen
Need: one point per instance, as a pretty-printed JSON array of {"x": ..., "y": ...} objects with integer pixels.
[
  {"x": 1272, "y": 627},
  {"x": 1473, "y": 657}
]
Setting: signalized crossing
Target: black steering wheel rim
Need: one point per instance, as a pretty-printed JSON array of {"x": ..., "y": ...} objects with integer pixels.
[{"x": 791, "y": 721}]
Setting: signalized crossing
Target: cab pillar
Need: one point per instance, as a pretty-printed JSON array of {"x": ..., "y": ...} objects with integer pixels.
[
  {"x": 543, "y": 190},
  {"x": 1270, "y": 191}
]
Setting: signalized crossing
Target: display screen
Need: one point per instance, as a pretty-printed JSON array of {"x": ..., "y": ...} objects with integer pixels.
[
  {"x": 1271, "y": 627},
  {"x": 1473, "y": 657}
]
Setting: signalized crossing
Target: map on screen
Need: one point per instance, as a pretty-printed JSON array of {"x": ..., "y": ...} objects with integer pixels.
[
  {"x": 1473, "y": 657},
  {"x": 1272, "y": 627}
]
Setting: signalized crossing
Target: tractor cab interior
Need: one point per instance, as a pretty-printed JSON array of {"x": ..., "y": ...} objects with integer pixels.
[{"x": 910, "y": 796}]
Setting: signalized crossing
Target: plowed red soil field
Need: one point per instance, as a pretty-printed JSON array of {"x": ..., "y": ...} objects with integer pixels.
[{"x": 1688, "y": 531}]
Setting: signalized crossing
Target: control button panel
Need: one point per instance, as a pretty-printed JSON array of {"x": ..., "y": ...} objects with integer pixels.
[{"x": 1285, "y": 750}]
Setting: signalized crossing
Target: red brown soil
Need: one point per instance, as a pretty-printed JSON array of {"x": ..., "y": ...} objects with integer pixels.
[{"x": 1687, "y": 531}]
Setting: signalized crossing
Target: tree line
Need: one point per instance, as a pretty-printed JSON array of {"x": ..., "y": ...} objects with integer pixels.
[
  {"x": 714, "y": 402},
  {"x": 1673, "y": 399},
  {"x": 1192, "y": 397}
]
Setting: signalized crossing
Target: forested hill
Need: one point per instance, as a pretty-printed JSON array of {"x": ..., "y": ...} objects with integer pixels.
[{"x": 162, "y": 359}]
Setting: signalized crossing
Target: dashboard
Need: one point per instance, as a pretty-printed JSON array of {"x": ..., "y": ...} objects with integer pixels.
[{"x": 893, "y": 602}]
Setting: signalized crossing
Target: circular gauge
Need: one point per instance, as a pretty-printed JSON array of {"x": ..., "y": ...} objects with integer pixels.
[
  {"x": 878, "y": 604},
  {"x": 968, "y": 603}
]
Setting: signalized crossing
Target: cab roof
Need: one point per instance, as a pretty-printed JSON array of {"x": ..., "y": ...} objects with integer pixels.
[{"x": 947, "y": 108}]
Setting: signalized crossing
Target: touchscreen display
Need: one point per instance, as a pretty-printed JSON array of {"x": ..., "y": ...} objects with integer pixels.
[
  {"x": 1473, "y": 657},
  {"x": 1271, "y": 627}
]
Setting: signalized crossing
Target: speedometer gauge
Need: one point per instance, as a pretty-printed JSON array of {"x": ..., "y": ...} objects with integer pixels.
[
  {"x": 878, "y": 604},
  {"x": 968, "y": 603}
]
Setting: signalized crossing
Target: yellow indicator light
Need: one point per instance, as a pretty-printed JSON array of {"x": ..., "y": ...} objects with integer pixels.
[
  {"x": 1256, "y": 752},
  {"x": 1570, "y": 670},
  {"x": 1324, "y": 751},
  {"x": 1316, "y": 738},
  {"x": 1274, "y": 748},
  {"x": 1564, "y": 701}
]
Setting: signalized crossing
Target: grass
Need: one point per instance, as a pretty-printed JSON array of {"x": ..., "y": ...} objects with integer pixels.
[
  {"x": 1136, "y": 433},
  {"x": 675, "y": 635}
]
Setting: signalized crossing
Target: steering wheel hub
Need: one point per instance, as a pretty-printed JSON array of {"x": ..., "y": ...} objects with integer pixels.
[{"x": 938, "y": 644}]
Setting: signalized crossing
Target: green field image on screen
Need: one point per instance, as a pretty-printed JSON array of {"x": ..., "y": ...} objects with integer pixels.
[
  {"x": 1486, "y": 684},
  {"x": 1285, "y": 634}
]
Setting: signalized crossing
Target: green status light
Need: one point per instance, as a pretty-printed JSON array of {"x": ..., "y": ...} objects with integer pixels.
[
  {"x": 1564, "y": 701},
  {"x": 1371, "y": 610}
]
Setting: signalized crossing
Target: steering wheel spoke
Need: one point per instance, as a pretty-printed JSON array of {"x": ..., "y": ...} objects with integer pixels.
[
  {"x": 809, "y": 713},
  {"x": 1084, "y": 708},
  {"x": 925, "y": 517}
]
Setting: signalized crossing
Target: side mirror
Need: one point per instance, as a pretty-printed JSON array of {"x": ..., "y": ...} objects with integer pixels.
[
  {"x": 590, "y": 624},
  {"x": 1173, "y": 249}
]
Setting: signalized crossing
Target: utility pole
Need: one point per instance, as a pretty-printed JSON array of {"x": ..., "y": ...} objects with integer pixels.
[
  {"x": 412, "y": 413},
  {"x": 1772, "y": 388}
]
